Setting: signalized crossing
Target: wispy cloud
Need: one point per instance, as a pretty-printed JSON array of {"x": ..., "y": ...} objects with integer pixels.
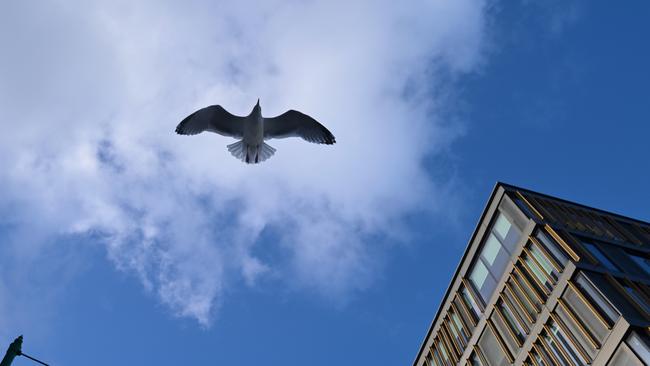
[{"x": 90, "y": 97}]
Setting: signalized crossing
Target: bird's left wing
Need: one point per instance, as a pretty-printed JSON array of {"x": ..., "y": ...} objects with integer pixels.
[
  {"x": 294, "y": 123},
  {"x": 214, "y": 119}
]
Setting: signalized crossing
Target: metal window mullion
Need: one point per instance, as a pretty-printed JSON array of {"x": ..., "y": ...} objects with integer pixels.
[
  {"x": 571, "y": 337},
  {"x": 567, "y": 248},
  {"x": 590, "y": 306},
  {"x": 579, "y": 324}
]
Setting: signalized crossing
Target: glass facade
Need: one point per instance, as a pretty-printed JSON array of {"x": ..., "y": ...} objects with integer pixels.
[
  {"x": 547, "y": 285},
  {"x": 494, "y": 256}
]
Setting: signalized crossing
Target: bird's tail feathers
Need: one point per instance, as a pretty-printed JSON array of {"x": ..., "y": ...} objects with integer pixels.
[{"x": 251, "y": 154}]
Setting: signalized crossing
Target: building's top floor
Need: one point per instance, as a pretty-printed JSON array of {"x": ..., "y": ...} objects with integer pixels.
[{"x": 532, "y": 238}]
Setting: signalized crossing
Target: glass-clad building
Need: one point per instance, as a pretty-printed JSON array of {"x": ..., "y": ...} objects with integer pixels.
[{"x": 545, "y": 282}]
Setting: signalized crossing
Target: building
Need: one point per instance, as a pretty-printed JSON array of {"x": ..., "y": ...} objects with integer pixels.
[{"x": 544, "y": 282}]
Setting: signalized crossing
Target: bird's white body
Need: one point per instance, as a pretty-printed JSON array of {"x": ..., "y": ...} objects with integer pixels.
[{"x": 254, "y": 129}]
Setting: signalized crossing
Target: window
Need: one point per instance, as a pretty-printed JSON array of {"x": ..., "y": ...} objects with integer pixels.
[
  {"x": 508, "y": 233},
  {"x": 443, "y": 353},
  {"x": 475, "y": 360},
  {"x": 482, "y": 280},
  {"x": 494, "y": 256},
  {"x": 470, "y": 303},
  {"x": 576, "y": 328},
  {"x": 640, "y": 347},
  {"x": 465, "y": 314},
  {"x": 642, "y": 262},
  {"x": 638, "y": 298},
  {"x": 514, "y": 322},
  {"x": 492, "y": 349},
  {"x": 597, "y": 253},
  {"x": 567, "y": 345},
  {"x": 525, "y": 299},
  {"x": 552, "y": 248},
  {"x": 599, "y": 301},
  {"x": 464, "y": 335}
]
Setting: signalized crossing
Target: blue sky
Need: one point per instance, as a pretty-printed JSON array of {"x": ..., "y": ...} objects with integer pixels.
[{"x": 122, "y": 243}]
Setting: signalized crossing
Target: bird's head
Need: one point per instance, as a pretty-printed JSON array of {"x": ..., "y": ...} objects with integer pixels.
[{"x": 257, "y": 109}]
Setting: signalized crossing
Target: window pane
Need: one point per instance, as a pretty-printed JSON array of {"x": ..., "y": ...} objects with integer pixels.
[
  {"x": 597, "y": 299},
  {"x": 537, "y": 272},
  {"x": 475, "y": 360},
  {"x": 555, "y": 349},
  {"x": 624, "y": 357},
  {"x": 504, "y": 332},
  {"x": 508, "y": 234},
  {"x": 642, "y": 262},
  {"x": 482, "y": 281},
  {"x": 547, "y": 266},
  {"x": 443, "y": 352},
  {"x": 492, "y": 349},
  {"x": 574, "y": 328},
  {"x": 637, "y": 297},
  {"x": 502, "y": 226},
  {"x": 459, "y": 325},
  {"x": 640, "y": 347},
  {"x": 512, "y": 321},
  {"x": 586, "y": 316},
  {"x": 470, "y": 303},
  {"x": 600, "y": 256},
  {"x": 552, "y": 248},
  {"x": 491, "y": 249},
  {"x": 531, "y": 309},
  {"x": 566, "y": 344}
]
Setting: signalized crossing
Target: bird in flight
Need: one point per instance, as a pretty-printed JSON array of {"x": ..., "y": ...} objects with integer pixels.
[{"x": 254, "y": 129}]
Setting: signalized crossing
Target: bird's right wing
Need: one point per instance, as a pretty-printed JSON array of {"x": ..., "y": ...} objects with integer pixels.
[{"x": 214, "y": 119}]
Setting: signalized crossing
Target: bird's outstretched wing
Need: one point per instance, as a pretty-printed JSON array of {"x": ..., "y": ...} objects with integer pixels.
[
  {"x": 294, "y": 123},
  {"x": 214, "y": 119}
]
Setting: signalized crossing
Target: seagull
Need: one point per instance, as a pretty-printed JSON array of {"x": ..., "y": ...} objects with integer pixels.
[{"x": 254, "y": 129}]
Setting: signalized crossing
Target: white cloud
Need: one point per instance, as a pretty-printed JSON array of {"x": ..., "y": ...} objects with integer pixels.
[{"x": 90, "y": 96}]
